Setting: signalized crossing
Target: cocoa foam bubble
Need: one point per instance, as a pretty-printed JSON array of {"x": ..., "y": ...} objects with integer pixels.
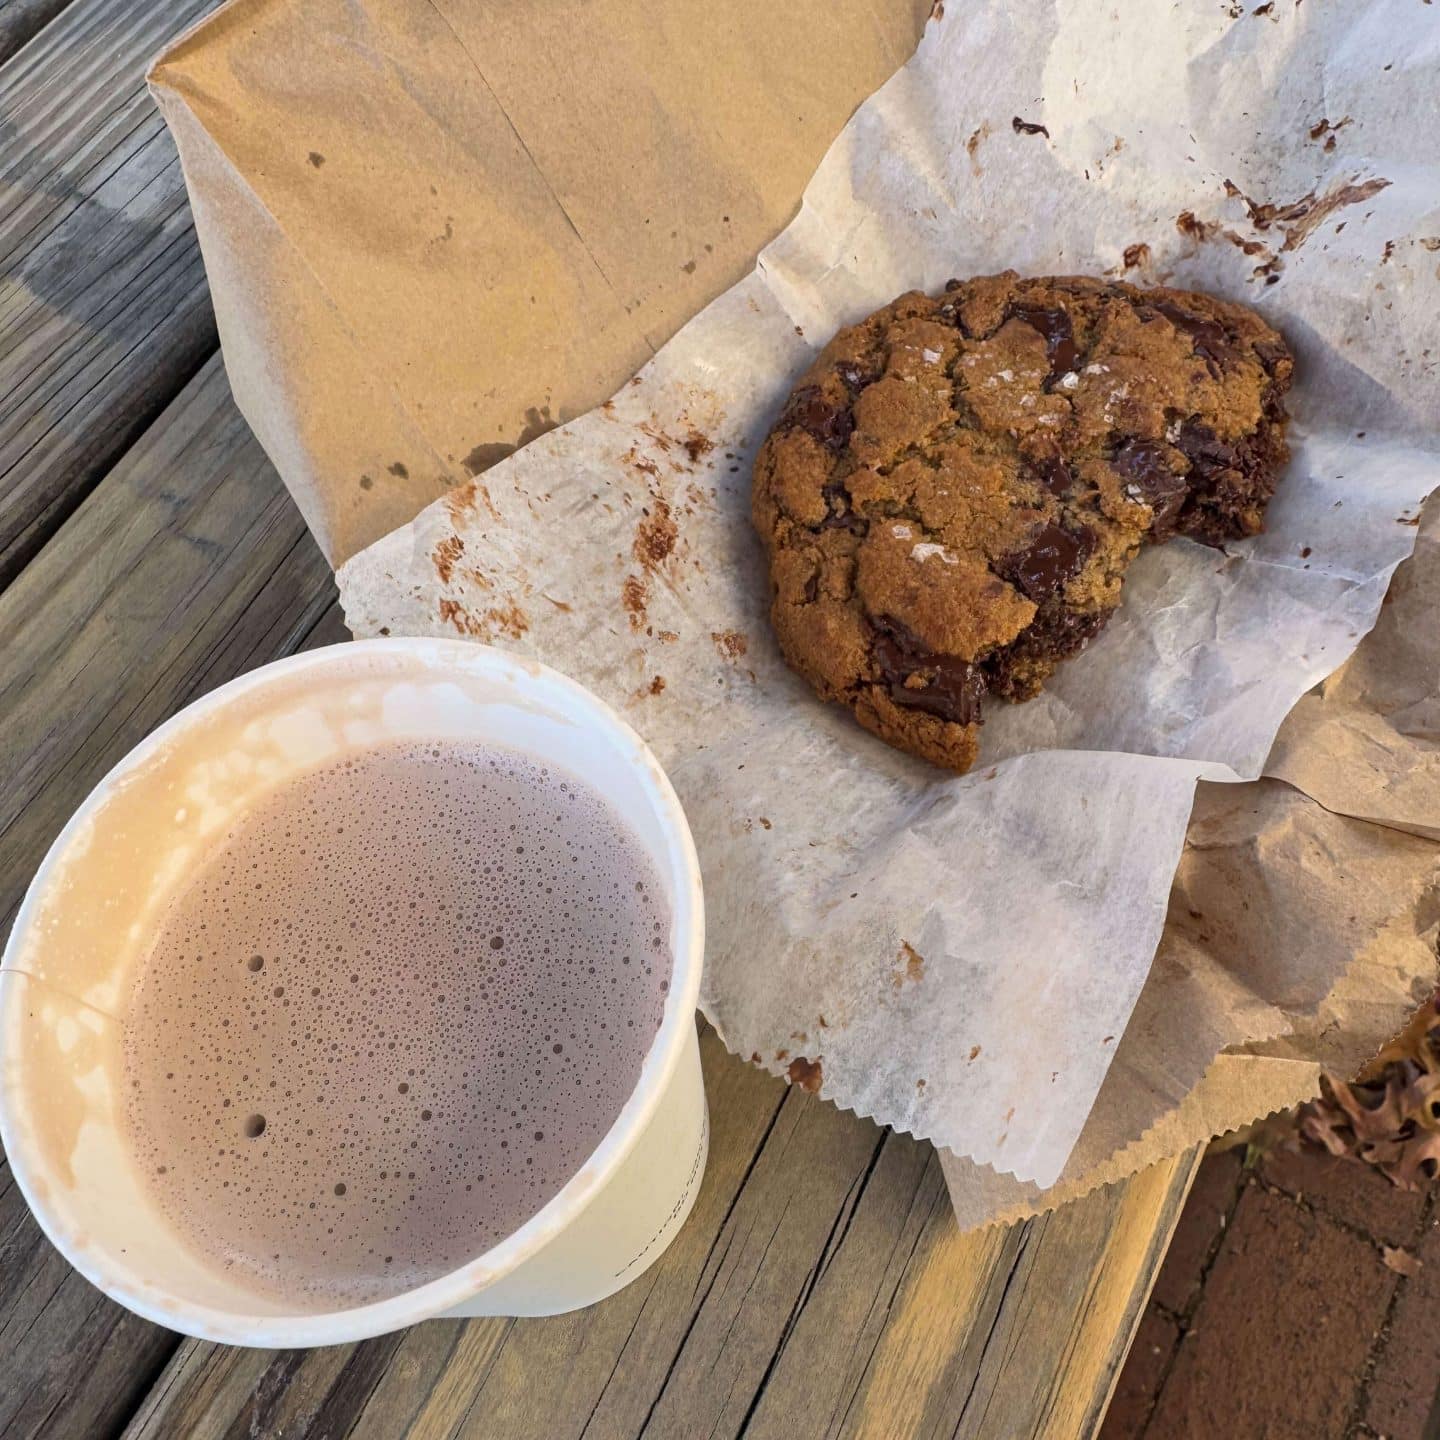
[{"x": 390, "y": 1013}]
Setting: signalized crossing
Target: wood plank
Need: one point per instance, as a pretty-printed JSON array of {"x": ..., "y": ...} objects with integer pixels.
[
  {"x": 54, "y": 1327},
  {"x": 820, "y": 1288},
  {"x": 104, "y": 310},
  {"x": 186, "y": 566},
  {"x": 22, "y": 20}
]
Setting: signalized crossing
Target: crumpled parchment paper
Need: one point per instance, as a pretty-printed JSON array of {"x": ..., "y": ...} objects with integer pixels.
[{"x": 959, "y": 957}]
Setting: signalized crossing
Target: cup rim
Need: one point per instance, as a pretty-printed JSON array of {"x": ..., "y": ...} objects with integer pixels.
[{"x": 438, "y": 1296}]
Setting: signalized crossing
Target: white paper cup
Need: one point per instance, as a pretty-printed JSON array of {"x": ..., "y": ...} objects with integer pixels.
[{"x": 91, "y": 911}]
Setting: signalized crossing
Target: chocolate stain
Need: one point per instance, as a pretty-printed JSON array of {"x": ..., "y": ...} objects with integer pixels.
[
  {"x": 366, "y": 483},
  {"x": 508, "y": 619},
  {"x": 398, "y": 470},
  {"x": 981, "y": 133},
  {"x": 914, "y": 967},
  {"x": 655, "y": 536},
  {"x": 807, "y": 1074},
  {"x": 445, "y": 556},
  {"x": 1187, "y": 224},
  {"x": 657, "y": 685},
  {"x": 1298, "y": 220},
  {"x": 1138, "y": 254},
  {"x": 729, "y": 644},
  {"x": 636, "y": 461},
  {"x": 1028, "y": 127},
  {"x": 634, "y": 595},
  {"x": 316, "y": 159},
  {"x": 697, "y": 445},
  {"x": 1323, "y": 127}
]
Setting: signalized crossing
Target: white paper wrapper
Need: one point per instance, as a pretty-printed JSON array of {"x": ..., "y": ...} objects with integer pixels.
[{"x": 959, "y": 957}]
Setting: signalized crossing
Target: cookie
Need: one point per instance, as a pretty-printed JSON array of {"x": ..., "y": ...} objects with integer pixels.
[{"x": 956, "y": 487}]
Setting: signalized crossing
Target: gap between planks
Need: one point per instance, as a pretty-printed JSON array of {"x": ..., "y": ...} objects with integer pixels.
[
  {"x": 104, "y": 310},
  {"x": 148, "y": 595}
]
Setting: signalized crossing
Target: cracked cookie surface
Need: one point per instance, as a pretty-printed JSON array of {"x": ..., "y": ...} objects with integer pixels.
[{"x": 956, "y": 487}]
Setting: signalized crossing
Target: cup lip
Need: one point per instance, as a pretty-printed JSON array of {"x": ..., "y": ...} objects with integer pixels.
[{"x": 435, "y": 1298}]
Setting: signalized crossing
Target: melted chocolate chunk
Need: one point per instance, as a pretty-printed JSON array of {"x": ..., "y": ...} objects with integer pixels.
[
  {"x": 1149, "y": 478},
  {"x": 1271, "y": 353},
  {"x": 856, "y": 378},
  {"x": 838, "y": 514},
  {"x": 830, "y": 424},
  {"x": 953, "y": 688},
  {"x": 1052, "y": 557},
  {"x": 1208, "y": 454},
  {"x": 1056, "y": 633},
  {"x": 1208, "y": 337},
  {"x": 1054, "y": 474},
  {"x": 1054, "y": 324}
]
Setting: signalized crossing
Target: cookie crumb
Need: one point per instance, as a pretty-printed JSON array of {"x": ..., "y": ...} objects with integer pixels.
[{"x": 730, "y": 644}]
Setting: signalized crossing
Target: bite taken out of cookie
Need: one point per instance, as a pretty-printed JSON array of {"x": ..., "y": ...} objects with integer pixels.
[{"x": 955, "y": 488}]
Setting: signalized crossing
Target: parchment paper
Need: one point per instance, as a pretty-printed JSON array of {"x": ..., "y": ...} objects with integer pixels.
[{"x": 959, "y": 958}]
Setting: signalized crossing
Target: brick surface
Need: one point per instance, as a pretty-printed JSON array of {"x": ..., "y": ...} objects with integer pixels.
[
  {"x": 1407, "y": 1371},
  {"x": 1140, "y": 1380},
  {"x": 1201, "y": 1223},
  {"x": 1353, "y": 1193},
  {"x": 1278, "y": 1342}
]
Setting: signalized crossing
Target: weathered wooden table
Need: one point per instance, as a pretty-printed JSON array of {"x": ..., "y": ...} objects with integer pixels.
[{"x": 149, "y": 552}]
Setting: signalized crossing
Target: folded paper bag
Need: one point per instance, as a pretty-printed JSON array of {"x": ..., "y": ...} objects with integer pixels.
[{"x": 434, "y": 229}]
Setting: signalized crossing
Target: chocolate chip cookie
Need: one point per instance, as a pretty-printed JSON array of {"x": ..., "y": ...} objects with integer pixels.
[{"x": 955, "y": 488}]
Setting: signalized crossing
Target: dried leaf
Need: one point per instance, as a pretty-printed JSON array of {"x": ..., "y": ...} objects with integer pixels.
[
  {"x": 1389, "y": 1119},
  {"x": 1402, "y": 1262}
]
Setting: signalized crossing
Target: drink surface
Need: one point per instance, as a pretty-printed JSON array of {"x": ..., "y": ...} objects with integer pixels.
[{"x": 391, "y": 1013}]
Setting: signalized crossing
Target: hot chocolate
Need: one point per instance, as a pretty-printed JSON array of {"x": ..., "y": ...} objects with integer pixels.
[{"x": 389, "y": 1015}]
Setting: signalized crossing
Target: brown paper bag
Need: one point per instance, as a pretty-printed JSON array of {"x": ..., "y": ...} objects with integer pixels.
[
  {"x": 436, "y": 228},
  {"x": 1299, "y": 938}
]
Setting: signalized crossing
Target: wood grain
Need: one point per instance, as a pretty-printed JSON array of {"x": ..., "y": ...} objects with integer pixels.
[
  {"x": 21, "y": 20},
  {"x": 71, "y": 1363},
  {"x": 819, "y": 1289},
  {"x": 187, "y": 565},
  {"x": 104, "y": 310}
]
